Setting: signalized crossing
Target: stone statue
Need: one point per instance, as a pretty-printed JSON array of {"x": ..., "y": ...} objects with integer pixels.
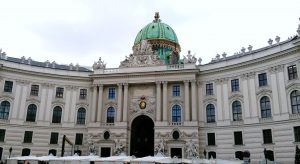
[
  {"x": 297, "y": 156},
  {"x": 99, "y": 64},
  {"x": 189, "y": 58},
  {"x": 191, "y": 150},
  {"x": 91, "y": 145},
  {"x": 119, "y": 148},
  {"x": 160, "y": 148}
]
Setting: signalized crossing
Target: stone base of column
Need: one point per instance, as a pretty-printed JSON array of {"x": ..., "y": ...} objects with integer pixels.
[
  {"x": 161, "y": 123},
  {"x": 68, "y": 124},
  {"x": 42, "y": 123},
  {"x": 94, "y": 124},
  {"x": 281, "y": 117},
  {"x": 16, "y": 121},
  {"x": 223, "y": 123}
]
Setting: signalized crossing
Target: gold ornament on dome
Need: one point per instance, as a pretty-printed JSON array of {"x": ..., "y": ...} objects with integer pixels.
[{"x": 143, "y": 103}]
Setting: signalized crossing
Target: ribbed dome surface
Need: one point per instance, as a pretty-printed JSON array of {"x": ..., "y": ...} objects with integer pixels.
[{"x": 156, "y": 30}]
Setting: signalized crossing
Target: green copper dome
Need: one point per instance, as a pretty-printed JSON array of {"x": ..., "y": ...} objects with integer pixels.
[
  {"x": 162, "y": 38},
  {"x": 156, "y": 30}
]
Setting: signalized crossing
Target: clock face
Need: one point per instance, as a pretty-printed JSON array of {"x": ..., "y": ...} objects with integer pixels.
[{"x": 142, "y": 104}]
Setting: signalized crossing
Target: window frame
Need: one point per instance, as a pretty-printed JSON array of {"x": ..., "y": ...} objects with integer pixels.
[
  {"x": 110, "y": 115},
  {"x": 59, "y": 92},
  {"x": 34, "y": 90},
  {"x": 80, "y": 119},
  {"x": 267, "y": 138},
  {"x": 209, "y": 89},
  {"x": 4, "y": 110},
  {"x": 237, "y": 134},
  {"x": 111, "y": 93},
  {"x": 176, "y": 90},
  {"x": 8, "y": 86},
  {"x": 176, "y": 113},
  {"x": 235, "y": 85},
  {"x": 237, "y": 114},
  {"x": 211, "y": 142},
  {"x": 294, "y": 99},
  {"x": 264, "y": 107},
  {"x": 292, "y": 72},
  {"x": 82, "y": 94},
  {"x": 31, "y": 113},
  {"x": 78, "y": 138},
  {"x": 54, "y": 138},
  {"x": 210, "y": 116},
  {"x": 2, "y": 135},
  {"x": 28, "y": 135},
  {"x": 296, "y": 133},
  {"x": 262, "y": 79},
  {"x": 56, "y": 110}
]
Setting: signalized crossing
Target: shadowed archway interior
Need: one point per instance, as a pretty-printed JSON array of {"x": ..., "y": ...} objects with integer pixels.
[{"x": 142, "y": 137}]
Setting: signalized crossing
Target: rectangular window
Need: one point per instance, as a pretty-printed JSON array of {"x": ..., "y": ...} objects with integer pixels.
[
  {"x": 209, "y": 89},
  {"x": 8, "y": 85},
  {"x": 211, "y": 139},
  {"x": 28, "y": 137},
  {"x": 78, "y": 139},
  {"x": 262, "y": 79},
  {"x": 54, "y": 138},
  {"x": 292, "y": 72},
  {"x": 59, "y": 92},
  {"x": 267, "y": 135},
  {"x": 111, "y": 93},
  {"x": 176, "y": 90},
  {"x": 34, "y": 90},
  {"x": 83, "y": 94},
  {"x": 235, "y": 85},
  {"x": 297, "y": 133},
  {"x": 238, "y": 138},
  {"x": 2, "y": 135}
]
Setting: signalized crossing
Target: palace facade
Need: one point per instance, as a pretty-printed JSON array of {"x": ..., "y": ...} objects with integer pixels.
[{"x": 156, "y": 102}]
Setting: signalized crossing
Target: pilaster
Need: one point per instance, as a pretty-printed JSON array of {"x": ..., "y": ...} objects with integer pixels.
[
  {"x": 275, "y": 98},
  {"x": 186, "y": 101},
  {"x": 100, "y": 103},
  {"x": 165, "y": 101},
  {"x": 158, "y": 101},
  {"x": 119, "y": 111},
  {"x": 125, "y": 103},
  {"x": 194, "y": 101}
]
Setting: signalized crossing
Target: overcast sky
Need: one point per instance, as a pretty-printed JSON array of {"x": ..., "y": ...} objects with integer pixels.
[{"x": 73, "y": 31}]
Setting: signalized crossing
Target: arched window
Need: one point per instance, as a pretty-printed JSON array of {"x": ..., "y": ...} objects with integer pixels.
[
  {"x": 265, "y": 107},
  {"x": 110, "y": 117},
  {"x": 237, "y": 111},
  {"x": 31, "y": 113},
  {"x": 4, "y": 110},
  {"x": 210, "y": 113},
  {"x": 176, "y": 113},
  {"x": 25, "y": 152},
  {"x": 81, "y": 116},
  {"x": 56, "y": 117},
  {"x": 295, "y": 101}
]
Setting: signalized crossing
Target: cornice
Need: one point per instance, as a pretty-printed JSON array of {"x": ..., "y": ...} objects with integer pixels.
[{"x": 249, "y": 63}]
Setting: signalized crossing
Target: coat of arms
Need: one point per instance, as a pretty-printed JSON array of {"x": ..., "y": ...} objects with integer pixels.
[{"x": 143, "y": 103}]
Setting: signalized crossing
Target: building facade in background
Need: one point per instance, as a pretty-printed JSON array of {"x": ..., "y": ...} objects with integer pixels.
[{"x": 156, "y": 101}]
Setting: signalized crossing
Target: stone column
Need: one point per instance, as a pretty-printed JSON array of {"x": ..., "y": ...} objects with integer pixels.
[
  {"x": 158, "y": 101},
  {"x": 226, "y": 106},
  {"x": 94, "y": 102},
  {"x": 201, "y": 109},
  {"x": 119, "y": 111},
  {"x": 100, "y": 100},
  {"x": 186, "y": 101},
  {"x": 17, "y": 95},
  {"x": 67, "y": 96},
  {"x": 219, "y": 100},
  {"x": 194, "y": 99},
  {"x": 125, "y": 103},
  {"x": 73, "y": 104},
  {"x": 43, "y": 108},
  {"x": 22, "y": 106},
  {"x": 165, "y": 101},
  {"x": 275, "y": 100},
  {"x": 254, "y": 110},
  {"x": 246, "y": 95},
  {"x": 282, "y": 91},
  {"x": 49, "y": 107}
]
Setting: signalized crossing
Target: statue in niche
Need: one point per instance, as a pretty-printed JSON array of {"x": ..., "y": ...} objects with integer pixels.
[{"x": 191, "y": 150}]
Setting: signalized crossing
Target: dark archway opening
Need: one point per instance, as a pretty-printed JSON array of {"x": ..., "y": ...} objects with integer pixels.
[{"x": 142, "y": 137}]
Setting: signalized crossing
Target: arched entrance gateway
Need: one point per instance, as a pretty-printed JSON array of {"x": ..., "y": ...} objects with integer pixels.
[{"x": 142, "y": 137}]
